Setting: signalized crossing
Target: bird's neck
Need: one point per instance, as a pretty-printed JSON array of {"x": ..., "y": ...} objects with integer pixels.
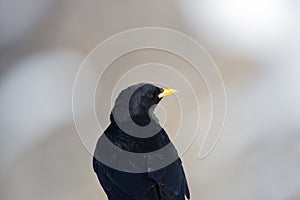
[
  {"x": 139, "y": 117},
  {"x": 143, "y": 117}
]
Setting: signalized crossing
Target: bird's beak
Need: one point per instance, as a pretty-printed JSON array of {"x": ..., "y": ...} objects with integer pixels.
[{"x": 166, "y": 92}]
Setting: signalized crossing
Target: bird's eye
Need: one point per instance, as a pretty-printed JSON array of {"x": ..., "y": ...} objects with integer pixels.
[{"x": 150, "y": 95}]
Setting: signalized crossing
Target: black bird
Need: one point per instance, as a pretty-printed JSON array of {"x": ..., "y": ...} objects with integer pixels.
[{"x": 134, "y": 158}]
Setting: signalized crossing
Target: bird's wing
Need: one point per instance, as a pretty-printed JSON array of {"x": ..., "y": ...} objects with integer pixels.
[
  {"x": 171, "y": 181},
  {"x": 120, "y": 185},
  {"x": 168, "y": 183}
]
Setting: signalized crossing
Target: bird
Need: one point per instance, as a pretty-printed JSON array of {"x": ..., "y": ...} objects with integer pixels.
[{"x": 134, "y": 159}]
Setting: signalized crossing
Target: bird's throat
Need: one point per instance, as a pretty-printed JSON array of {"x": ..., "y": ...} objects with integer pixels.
[{"x": 141, "y": 119}]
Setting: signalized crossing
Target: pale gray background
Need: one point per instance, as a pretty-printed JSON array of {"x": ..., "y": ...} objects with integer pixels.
[{"x": 254, "y": 43}]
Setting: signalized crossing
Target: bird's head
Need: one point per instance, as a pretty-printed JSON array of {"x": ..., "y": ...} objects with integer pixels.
[{"x": 137, "y": 103}]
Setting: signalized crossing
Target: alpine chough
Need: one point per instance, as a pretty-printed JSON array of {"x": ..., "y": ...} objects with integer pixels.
[{"x": 134, "y": 158}]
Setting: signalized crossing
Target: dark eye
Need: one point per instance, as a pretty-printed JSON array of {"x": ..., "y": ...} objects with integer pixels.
[{"x": 150, "y": 95}]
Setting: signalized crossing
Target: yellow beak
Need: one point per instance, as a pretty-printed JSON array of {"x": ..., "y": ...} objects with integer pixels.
[{"x": 166, "y": 92}]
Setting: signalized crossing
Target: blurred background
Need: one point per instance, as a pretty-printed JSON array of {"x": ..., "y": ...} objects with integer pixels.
[{"x": 255, "y": 44}]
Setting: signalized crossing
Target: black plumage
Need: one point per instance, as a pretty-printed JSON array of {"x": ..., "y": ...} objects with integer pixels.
[{"x": 146, "y": 172}]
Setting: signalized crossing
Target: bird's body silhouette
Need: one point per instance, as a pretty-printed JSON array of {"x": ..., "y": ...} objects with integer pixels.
[{"x": 134, "y": 158}]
